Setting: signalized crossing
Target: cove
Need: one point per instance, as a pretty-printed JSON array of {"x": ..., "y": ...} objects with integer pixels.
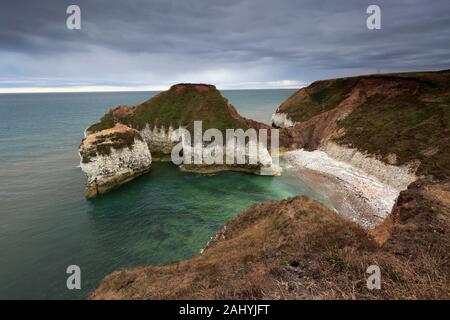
[{"x": 46, "y": 224}]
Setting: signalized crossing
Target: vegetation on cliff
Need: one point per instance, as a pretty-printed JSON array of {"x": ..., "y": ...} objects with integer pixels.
[
  {"x": 177, "y": 107},
  {"x": 320, "y": 96},
  {"x": 100, "y": 143},
  {"x": 400, "y": 118},
  {"x": 412, "y": 126}
]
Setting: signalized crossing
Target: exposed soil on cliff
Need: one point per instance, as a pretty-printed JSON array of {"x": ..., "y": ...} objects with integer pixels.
[
  {"x": 299, "y": 249},
  {"x": 398, "y": 118},
  {"x": 101, "y": 142}
]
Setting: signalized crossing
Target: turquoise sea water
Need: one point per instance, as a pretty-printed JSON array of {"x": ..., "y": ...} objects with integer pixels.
[{"x": 47, "y": 225}]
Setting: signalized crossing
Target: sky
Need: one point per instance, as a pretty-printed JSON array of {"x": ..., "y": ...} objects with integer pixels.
[{"x": 233, "y": 44}]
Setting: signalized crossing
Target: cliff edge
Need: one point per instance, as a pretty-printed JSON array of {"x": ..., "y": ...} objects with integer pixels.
[{"x": 299, "y": 249}]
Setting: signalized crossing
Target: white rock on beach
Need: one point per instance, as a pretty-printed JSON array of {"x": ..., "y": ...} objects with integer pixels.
[{"x": 281, "y": 120}]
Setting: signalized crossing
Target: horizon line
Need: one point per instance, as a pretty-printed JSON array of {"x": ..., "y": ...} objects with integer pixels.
[
  {"x": 100, "y": 89},
  {"x": 64, "y": 90}
]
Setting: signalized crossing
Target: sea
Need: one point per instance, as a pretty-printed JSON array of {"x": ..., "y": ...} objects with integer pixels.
[{"x": 46, "y": 224}]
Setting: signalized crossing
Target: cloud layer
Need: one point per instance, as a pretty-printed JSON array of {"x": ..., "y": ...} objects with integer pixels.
[{"x": 139, "y": 44}]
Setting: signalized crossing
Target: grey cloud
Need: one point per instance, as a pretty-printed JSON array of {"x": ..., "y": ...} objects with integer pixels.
[{"x": 223, "y": 41}]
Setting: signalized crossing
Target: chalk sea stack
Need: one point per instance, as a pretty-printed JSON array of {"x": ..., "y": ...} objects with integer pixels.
[
  {"x": 154, "y": 121},
  {"x": 177, "y": 107},
  {"x": 112, "y": 157}
]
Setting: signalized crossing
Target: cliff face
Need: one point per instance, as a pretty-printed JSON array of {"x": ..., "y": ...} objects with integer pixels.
[
  {"x": 369, "y": 136},
  {"x": 400, "y": 119},
  {"x": 112, "y": 157},
  {"x": 299, "y": 249},
  {"x": 123, "y": 143},
  {"x": 179, "y": 107}
]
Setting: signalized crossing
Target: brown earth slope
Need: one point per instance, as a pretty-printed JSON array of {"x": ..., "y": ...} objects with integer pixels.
[{"x": 299, "y": 249}]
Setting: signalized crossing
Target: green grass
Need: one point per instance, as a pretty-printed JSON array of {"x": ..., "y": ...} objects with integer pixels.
[
  {"x": 106, "y": 122},
  {"x": 320, "y": 96},
  {"x": 414, "y": 127},
  {"x": 179, "y": 106},
  {"x": 172, "y": 108}
]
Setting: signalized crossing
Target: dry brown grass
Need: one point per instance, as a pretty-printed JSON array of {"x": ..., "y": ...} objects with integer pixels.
[{"x": 298, "y": 249}]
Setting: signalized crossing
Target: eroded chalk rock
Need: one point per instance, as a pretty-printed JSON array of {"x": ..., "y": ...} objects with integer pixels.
[{"x": 112, "y": 157}]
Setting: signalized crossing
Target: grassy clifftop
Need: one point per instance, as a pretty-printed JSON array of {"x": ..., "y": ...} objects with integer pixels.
[
  {"x": 101, "y": 142},
  {"x": 320, "y": 96},
  {"x": 410, "y": 126},
  {"x": 400, "y": 118},
  {"x": 178, "y": 106},
  {"x": 183, "y": 104},
  {"x": 324, "y": 95}
]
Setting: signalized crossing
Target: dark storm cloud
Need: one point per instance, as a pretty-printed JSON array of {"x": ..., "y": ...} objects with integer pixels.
[{"x": 229, "y": 42}]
